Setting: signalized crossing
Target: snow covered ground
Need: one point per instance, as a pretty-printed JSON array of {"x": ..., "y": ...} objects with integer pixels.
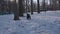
[{"x": 43, "y": 23}]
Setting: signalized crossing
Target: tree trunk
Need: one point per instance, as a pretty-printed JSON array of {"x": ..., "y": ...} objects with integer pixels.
[
  {"x": 21, "y": 8},
  {"x": 38, "y": 6},
  {"x": 43, "y": 5},
  {"x": 16, "y": 12},
  {"x": 59, "y": 4},
  {"x": 26, "y": 6},
  {"x": 31, "y": 6}
]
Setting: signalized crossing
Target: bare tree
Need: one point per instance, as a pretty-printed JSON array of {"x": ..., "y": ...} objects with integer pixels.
[
  {"x": 43, "y": 4},
  {"x": 59, "y": 4},
  {"x": 2, "y": 5},
  {"x": 38, "y": 6},
  {"x": 21, "y": 7},
  {"x": 16, "y": 12},
  {"x": 31, "y": 6},
  {"x": 53, "y": 4},
  {"x": 26, "y": 5}
]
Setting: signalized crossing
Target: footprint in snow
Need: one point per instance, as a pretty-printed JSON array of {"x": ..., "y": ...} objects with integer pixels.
[{"x": 21, "y": 26}]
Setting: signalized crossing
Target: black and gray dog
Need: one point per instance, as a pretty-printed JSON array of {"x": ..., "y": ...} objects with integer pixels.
[{"x": 28, "y": 16}]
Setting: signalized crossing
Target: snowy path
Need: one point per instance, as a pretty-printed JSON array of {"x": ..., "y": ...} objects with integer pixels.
[{"x": 43, "y": 23}]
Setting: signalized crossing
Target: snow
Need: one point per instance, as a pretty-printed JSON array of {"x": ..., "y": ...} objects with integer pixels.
[{"x": 43, "y": 23}]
